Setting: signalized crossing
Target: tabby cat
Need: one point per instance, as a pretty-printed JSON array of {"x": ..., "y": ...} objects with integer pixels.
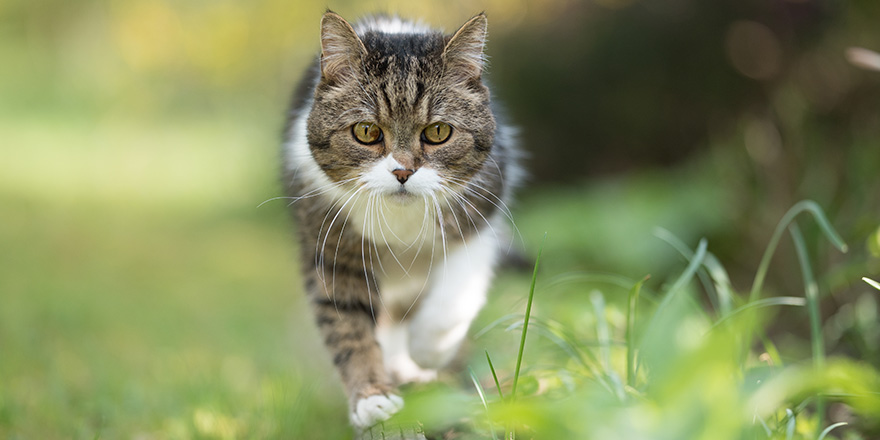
[{"x": 400, "y": 171}]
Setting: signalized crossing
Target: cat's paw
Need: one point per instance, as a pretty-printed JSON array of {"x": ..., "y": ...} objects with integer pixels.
[{"x": 373, "y": 409}]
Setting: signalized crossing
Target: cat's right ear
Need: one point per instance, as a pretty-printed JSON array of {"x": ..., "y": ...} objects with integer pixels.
[{"x": 341, "y": 49}]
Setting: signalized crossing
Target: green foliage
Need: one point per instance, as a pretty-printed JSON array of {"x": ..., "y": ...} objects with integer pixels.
[{"x": 690, "y": 373}]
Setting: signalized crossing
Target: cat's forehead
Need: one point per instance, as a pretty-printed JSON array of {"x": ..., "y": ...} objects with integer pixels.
[{"x": 403, "y": 47}]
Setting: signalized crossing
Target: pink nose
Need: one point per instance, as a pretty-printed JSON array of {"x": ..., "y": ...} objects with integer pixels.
[{"x": 402, "y": 174}]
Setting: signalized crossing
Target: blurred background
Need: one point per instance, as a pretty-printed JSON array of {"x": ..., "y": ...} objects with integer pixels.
[{"x": 146, "y": 293}]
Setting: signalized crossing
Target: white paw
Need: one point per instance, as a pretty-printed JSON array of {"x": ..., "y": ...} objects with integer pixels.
[{"x": 374, "y": 409}]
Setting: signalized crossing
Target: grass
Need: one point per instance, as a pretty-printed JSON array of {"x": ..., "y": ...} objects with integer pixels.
[
  {"x": 138, "y": 301},
  {"x": 691, "y": 373},
  {"x": 145, "y": 296}
]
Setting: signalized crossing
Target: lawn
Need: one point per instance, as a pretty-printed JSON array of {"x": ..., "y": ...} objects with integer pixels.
[
  {"x": 146, "y": 296},
  {"x": 147, "y": 293}
]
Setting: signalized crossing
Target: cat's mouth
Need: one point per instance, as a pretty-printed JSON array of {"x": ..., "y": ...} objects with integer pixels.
[{"x": 402, "y": 195}]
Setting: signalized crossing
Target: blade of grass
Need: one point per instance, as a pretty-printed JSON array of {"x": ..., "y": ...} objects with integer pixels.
[
  {"x": 602, "y": 332},
  {"x": 758, "y": 283},
  {"x": 686, "y": 276},
  {"x": 829, "y": 429},
  {"x": 722, "y": 286},
  {"x": 683, "y": 249},
  {"x": 871, "y": 283},
  {"x": 679, "y": 284},
  {"x": 802, "y": 206},
  {"x": 762, "y": 303},
  {"x": 603, "y": 335},
  {"x": 632, "y": 306},
  {"x": 522, "y": 342},
  {"x": 496, "y": 323},
  {"x": 792, "y": 423},
  {"x": 812, "y": 295},
  {"x": 479, "y": 388},
  {"x": 483, "y": 399},
  {"x": 671, "y": 294},
  {"x": 494, "y": 375},
  {"x": 581, "y": 277}
]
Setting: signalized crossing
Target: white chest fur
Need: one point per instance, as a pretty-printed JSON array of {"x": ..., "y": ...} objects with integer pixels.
[{"x": 395, "y": 225}]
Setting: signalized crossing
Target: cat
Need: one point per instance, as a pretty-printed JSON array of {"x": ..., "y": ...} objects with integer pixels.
[{"x": 401, "y": 173}]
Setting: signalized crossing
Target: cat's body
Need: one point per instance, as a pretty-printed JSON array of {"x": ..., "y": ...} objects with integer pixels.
[{"x": 400, "y": 172}]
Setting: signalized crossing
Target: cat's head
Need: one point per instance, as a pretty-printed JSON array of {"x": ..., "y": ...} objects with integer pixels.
[{"x": 401, "y": 110}]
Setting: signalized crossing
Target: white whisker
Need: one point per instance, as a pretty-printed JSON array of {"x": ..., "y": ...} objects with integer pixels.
[
  {"x": 430, "y": 261},
  {"x": 313, "y": 193},
  {"x": 320, "y": 252},
  {"x": 500, "y": 205}
]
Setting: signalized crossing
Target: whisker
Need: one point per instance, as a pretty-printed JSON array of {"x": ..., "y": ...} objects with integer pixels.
[
  {"x": 426, "y": 220},
  {"x": 372, "y": 207},
  {"x": 440, "y": 222},
  {"x": 460, "y": 230},
  {"x": 462, "y": 199},
  {"x": 320, "y": 252},
  {"x": 497, "y": 202},
  {"x": 500, "y": 205},
  {"x": 339, "y": 242},
  {"x": 319, "y": 256},
  {"x": 500, "y": 173},
  {"x": 313, "y": 193},
  {"x": 371, "y": 273},
  {"x": 390, "y": 229},
  {"x": 366, "y": 276},
  {"x": 430, "y": 261},
  {"x": 385, "y": 239}
]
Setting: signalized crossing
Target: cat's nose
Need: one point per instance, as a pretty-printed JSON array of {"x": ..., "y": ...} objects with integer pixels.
[{"x": 402, "y": 174}]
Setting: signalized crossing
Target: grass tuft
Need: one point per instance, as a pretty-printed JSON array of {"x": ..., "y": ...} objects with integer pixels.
[
  {"x": 687, "y": 370},
  {"x": 522, "y": 342}
]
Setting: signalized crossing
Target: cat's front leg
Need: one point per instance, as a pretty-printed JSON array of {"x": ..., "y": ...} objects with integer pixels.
[
  {"x": 347, "y": 325},
  {"x": 458, "y": 292}
]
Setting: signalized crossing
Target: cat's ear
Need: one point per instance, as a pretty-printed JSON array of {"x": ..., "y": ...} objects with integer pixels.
[
  {"x": 464, "y": 51},
  {"x": 341, "y": 49}
]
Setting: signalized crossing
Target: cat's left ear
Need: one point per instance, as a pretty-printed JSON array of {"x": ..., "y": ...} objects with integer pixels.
[{"x": 464, "y": 51}]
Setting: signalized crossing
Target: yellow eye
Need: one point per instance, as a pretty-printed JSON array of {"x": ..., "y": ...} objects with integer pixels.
[
  {"x": 366, "y": 133},
  {"x": 437, "y": 133}
]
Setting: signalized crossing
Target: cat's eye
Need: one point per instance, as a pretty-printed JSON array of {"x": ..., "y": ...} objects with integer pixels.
[
  {"x": 437, "y": 133},
  {"x": 367, "y": 133}
]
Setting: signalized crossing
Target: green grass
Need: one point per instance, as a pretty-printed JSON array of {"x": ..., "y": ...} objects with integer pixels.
[
  {"x": 144, "y": 295},
  {"x": 690, "y": 373},
  {"x": 142, "y": 301}
]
